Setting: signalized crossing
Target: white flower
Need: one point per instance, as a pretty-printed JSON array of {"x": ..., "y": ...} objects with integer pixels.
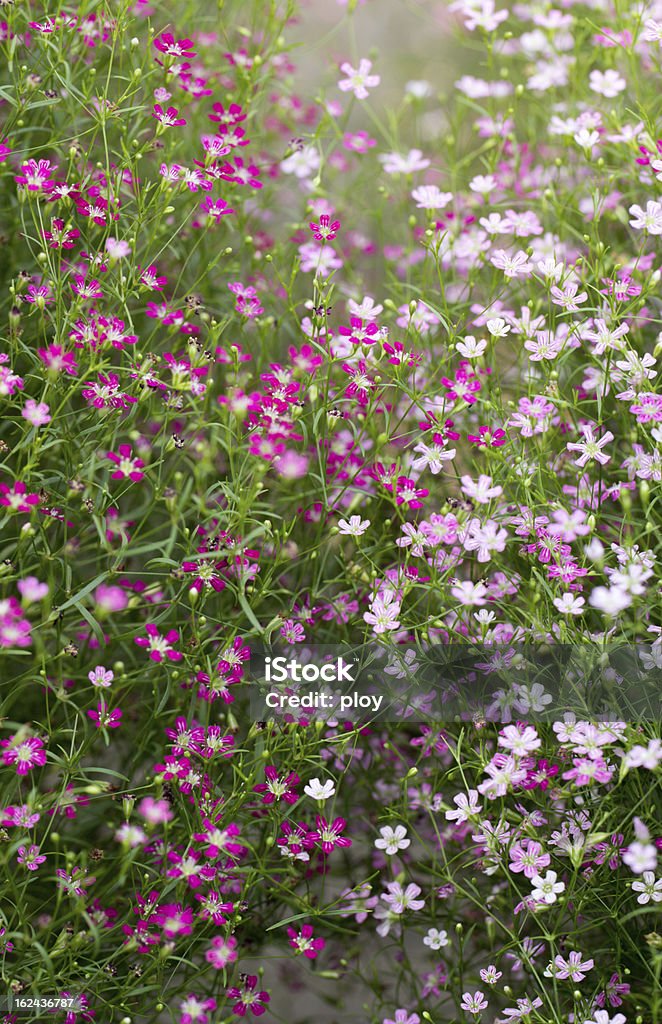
[
  {"x": 480, "y": 491},
  {"x": 418, "y": 88},
  {"x": 602, "y": 1017},
  {"x": 468, "y": 806},
  {"x": 468, "y": 593},
  {"x": 649, "y": 888},
  {"x": 320, "y": 790},
  {"x": 498, "y": 327},
  {"x": 483, "y": 183},
  {"x": 435, "y": 939},
  {"x": 653, "y": 31},
  {"x": 302, "y": 163},
  {"x": 392, "y": 839},
  {"x": 640, "y": 857},
  {"x": 569, "y": 604},
  {"x": 399, "y": 163},
  {"x": 470, "y": 348},
  {"x": 649, "y": 219},
  {"x": 354, "y": 528},
  {"x": 609, "y": 600},
  {"x": 432, "y": 456},
  {"x": 366, "y": 309},
  {"x": 429, "y": 197},
  {"x": 607, "y": 83},
  {"x": 547, "y": 889},
  {"x": 586, "y": 139}
]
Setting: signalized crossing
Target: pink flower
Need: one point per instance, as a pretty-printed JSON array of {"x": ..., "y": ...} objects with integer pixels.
[
  {"x": 512, "y": 266},
  {"x": 591, "y": 447},
  {"x": 358, "y": 142},
  {"x": 36, "y": 413},
  {"x": 403, "y": 1017},
  {"x": 221, "y": 952},
  {"x": 174, "y": 919},
  {"x": 108, "y": 598},
  {"x": 384, "y": 612},
  {"x": 101, "y": 676},
  {"x": 292, "y": 631},
  {"x": 358, "y": 80},
  {"x": 473, "y": 1003},
  {"x": 400, "y": 899},
  {"x": 30, "y": 857},
  {"x": 649, "y": 220}
]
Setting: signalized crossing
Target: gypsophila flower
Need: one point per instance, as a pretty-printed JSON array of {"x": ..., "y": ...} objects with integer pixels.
[
  {"x": 435, "y": 939},
  {"x": 358, "y": 80},
  {"x": 354, "y": 528},
  {"x": 392, "y": 840}
]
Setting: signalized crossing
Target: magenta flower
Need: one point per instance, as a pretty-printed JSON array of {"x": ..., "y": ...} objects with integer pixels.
[
  {"x": 159, "y": 645},
  {"x": 128, "y": 466},
  {"x": 358, "y": 333},
  {"x": 488, "y": 438},
  {"x": 326, "y": 230},
  {"x": 275, "y": 788},
  {"x": 174, "y": 920},
  {"x": 17, "y": 498},
  {"x": 107, "y": 393},
  {"x": 36, "y": 175},
  {"x": 304, "y": 942},
  {"x": 105, "y": 719},
  {"x": 166, "y": 43},
  {"x": 24, "y": 753},
  {"x": 249, "y": 998},
  {"x": 168, "y": 118},
  {"x": 55, "y": 358},
  {"x": 61, "y": 235},
  {"x": 207, "y": 575},
  {"x": 215, "y": 209},
  {"x": 240, "y": 173},
  {"x": 408, "y": 494},
  {"x": 330, "y": 835}
]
